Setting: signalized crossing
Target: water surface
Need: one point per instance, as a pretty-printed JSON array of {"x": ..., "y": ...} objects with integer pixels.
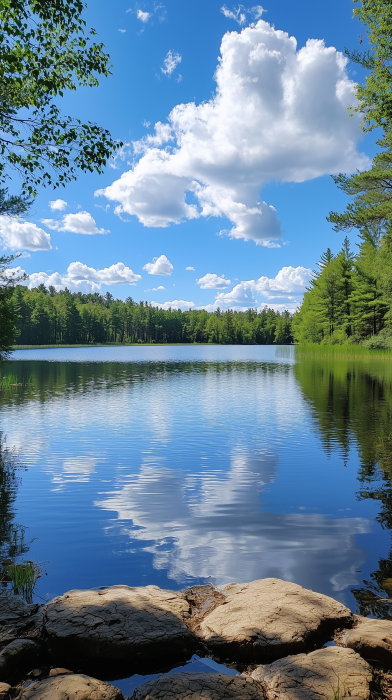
[{"x": 179, "y": 465}]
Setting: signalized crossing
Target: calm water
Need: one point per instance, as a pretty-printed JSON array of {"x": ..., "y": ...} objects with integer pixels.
[{"x": 182, "y": 465}]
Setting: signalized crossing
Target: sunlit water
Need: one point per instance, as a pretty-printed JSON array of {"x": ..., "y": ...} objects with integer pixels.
[{"x": 183, "y": 465}]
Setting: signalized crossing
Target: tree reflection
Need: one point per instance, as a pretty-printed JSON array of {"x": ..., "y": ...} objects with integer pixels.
[
  {"x": 352, "y": 404},
  {"x": 13, "y": 542}
]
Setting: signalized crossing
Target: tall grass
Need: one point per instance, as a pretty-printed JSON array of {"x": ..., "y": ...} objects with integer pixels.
[
  {"x": 348, "y": 352},
  {"x": 11, "y": 380},
  {"x": 23, "y": 577}
]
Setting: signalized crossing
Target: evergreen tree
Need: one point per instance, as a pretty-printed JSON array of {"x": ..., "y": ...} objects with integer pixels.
[{"x": 8, "y": 315}]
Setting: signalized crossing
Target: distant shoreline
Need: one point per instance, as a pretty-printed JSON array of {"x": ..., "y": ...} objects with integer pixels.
[{"x": 112, "y": 345}]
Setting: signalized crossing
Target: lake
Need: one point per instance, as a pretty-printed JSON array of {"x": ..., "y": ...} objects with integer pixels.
[{"x": 177, "y": 465}]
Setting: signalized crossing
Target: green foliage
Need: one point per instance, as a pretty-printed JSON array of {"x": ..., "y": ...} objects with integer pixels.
[
  {"x": 48, "y": 317},
  {"x": 23, "y": 577},
  {"x": 326, "y": 314},
  {"x": 350, "y": 298},
  {"x": 381, "y": 341},
  {"x": 13, "y": 205},
  {"x": 345, "y": 351},
  {"x": 351, "y": 403},
  {"x": 15, "y": 571},
  {"x": 375, "y": 96},
  {"x": 8, "y": 315},
  {"x": 371, "y": 210},
  {"x": 46, "y": 50}
]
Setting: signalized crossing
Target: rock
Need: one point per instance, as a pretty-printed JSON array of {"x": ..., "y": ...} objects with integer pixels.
[
  {"x": 37, "y": 673},
  {"x": 17, "y": 657},
  {"x": 200, "y": 686},
  {"x": 4, "y": 691},
  {"x": 316, "y": 676},
  {"x": 19, "y": 619},
  {"x": 372, "y": 639},
  {"x": 268, "y": 619},
  {"x": 59, "y": 672},
  {"x": 201, "y": 600},
  {"x": 119, "y": 623},
  {"x": 75, "y": 687}
]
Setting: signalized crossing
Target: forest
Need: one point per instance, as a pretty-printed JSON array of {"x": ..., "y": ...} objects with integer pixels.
[
  {"x": 349, "y": 299},
  {"x": 45, "y": 317}
]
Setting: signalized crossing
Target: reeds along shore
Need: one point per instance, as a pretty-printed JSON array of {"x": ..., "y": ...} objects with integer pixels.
[{"x": 346, "y": 352}]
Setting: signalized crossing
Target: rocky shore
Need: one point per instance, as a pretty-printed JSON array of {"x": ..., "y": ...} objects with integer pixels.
[{"x": 287, "y": 642}]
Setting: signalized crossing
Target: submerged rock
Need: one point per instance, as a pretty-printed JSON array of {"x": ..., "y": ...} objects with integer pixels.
[
  {"x": 268, "y": 619},
  {"x": 321, "y": 675},
  {"x": 17, "y": 657},
  {"x": 75, "y": 687},
  {"x": 18, "y": 619},
  {"x": 372, "y": 639},
  {"x": 119, "y": 623},
  {"x": 200, "y": 686}
]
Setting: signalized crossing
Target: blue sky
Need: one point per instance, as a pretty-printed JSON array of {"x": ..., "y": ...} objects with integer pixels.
[{"x": 234, "y": 182}]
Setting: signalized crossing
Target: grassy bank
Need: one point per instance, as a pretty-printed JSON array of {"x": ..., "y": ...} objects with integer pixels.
[{"x": 346, "y": 352}]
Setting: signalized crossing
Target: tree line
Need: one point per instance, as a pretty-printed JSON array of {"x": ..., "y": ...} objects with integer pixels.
[
  {"x": 350, "y": 296},
  {"x": 45, "y": 317}
]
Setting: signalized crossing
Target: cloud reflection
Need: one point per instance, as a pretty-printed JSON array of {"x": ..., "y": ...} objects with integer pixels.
[{"x": 212, "y": 524}]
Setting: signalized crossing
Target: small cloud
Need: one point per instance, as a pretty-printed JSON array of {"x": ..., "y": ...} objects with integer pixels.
[
  {"x": 58, "y": 205},
  {"x": 176, "y": 304},
  {"x": 239, "y": 14},
  {"x": 235, "y": 13},
  {"x": 143, "y": 16},
  {"x": 171, "y": 62},
  {"x": 82, "y": 222},
  {"x": 159, "y": 266},
  {"x": 212, "y": 281},
  {"x": 189, "y": 268},
  {"x": 257, "y": 11},
  {"x": 122, "y": 31},
  {"x": 179, "y": 79},
  {"x": 158, "y": 289},
  {"x": 146, "y": 123},
  {"x": 120, "y": 155}
]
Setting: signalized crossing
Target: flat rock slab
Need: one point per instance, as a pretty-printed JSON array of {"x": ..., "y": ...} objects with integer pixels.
[
  {"x": 372, "y": 639},
  {"x": 76, "y": 687},
  {"x": 200, "y": 686},
  {"x": 17, "y": 656},
  {"x": 119, "y": 623},
  {"x": 322, "y": 675},
  {"x": 18, "y": 619},
  {"x": 268, "y": 619}
]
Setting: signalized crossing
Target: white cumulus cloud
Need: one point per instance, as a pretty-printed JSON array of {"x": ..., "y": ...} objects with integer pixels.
[
  {"x": 143, "y": 16},
  {"x": 82, "y": 278},
  {"x": 212, "y": 281},
  {"x": 176, "y": 304},
  {"x": 81, "y": 222},
  {"x": 285, "y": 290},
  {"x": 278, "y": 114},
  {"x": 159, "y": 266},
  {"x": 58, "y": 205},
  {"x": 171, "y": 62},
  {"x": 190, "y": 268},
  {"x": 22, "y": 235}
]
